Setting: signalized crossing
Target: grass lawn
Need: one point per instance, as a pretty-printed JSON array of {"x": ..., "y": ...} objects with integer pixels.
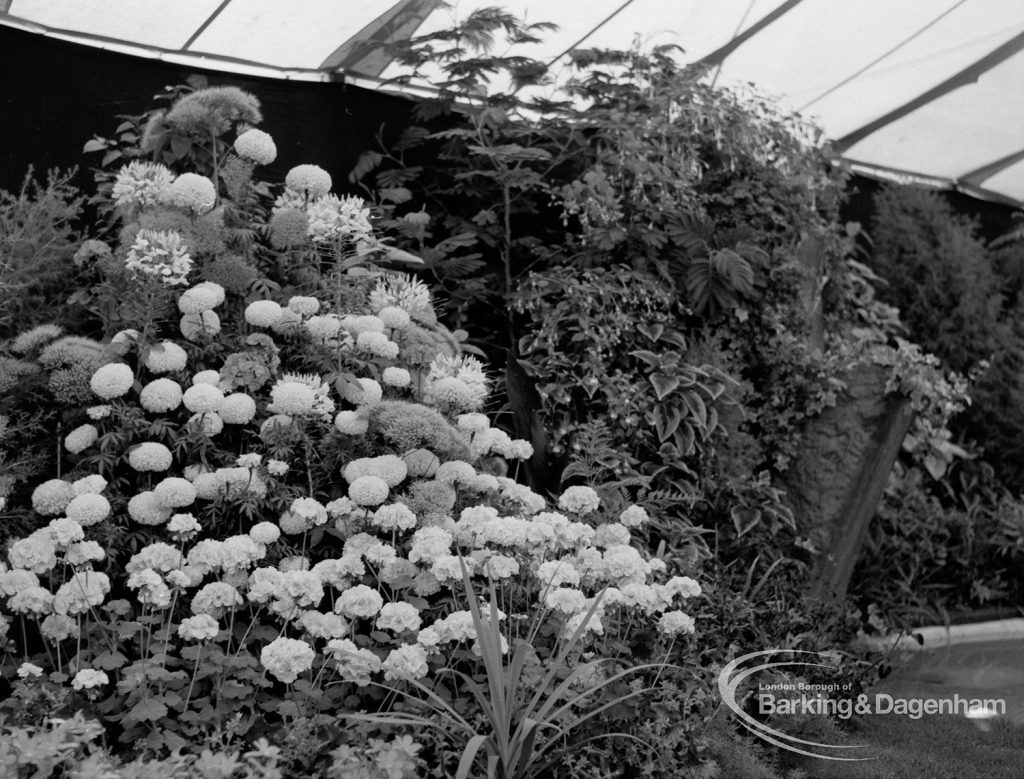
[{"x": 935, "y": 747}]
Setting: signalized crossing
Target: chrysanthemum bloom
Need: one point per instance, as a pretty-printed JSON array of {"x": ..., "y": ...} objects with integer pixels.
[
  {"x": 192, "y": 192},
  {"x": 579, "y": 500},
  {"x": 263, "y": 313},
  {"x": 288, "y": 227},
  {"x": 457, "y": 382},
  {"x": 256, "y": 146},
  {"x": 292, "y": 398},
  {"x": 634, "y": 516},
  {"x": 89, "y": 678},
  {"x": 161, "y": 254},
  {"x": 141, "y": 184},
  {"x": 203, "y": 398},
  {"x": 288, "y": 323},
  {"x": 286, "y": 658},
  {"x": 455, "y": 472},
  {"x": 310, "y": 180},
  {"x": 357, "y": 324},
  {"x": 277, "y": 467},
  {"x": 201, "y": 627},
  {"x": 339, "y": 218},
  {"x": 264, "y": 533},
  {"x": 206, "y": 377},
  {"x": 351, "y": 423},
  {"x": 396, "y": 377},
  {"x": 390, "y": 467},
  {"x": 377, "y": 344},
  {"x": 405, "y": 662},
  {"x": 237, "y": 409},
  {"x": 303, "y": 305},
  {"x": 145, "y": 509},
  {"x": 209, "y": 422},
  {"x": 160, "y": 396},
  {"x": 683, "y": 587},
  {"x": 166, "y": 357},
  {"x": 97, "y": 413},
  {"x": 150, "y": 456},
  {"x": 88, "y": 509},
  {"x": 200, "y": 298},
  {"x": 324, "y": 327},
  {"x": 197, "y": 326},
  {"x": 359, "y": 601},
  {"x": 158, "y": 556},
  {"x": 394, "y": 317},
  {"x": 184, "y": 526},
  {"x": 51, "y": 497},
  {"x": 112, "y": 380},
  {"x": 175, "y": 492},
  {"x": 89, "y": 485},
  {"x": 399, "y": 617}
]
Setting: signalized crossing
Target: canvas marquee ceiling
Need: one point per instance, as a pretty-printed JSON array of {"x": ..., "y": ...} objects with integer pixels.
[{"x": 927, "y": 90}]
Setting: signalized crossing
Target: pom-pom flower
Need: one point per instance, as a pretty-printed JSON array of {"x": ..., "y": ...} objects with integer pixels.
[
  {"x": 350, "y": 423},
  {"x": 160, "y": 396},
  {"x": 51, "y": 497},
  {"x": 88, "y": 509},
  {"x": 112, "y": 380},
  {"x": 580, "y": 500},
  {"x": 175, "y": 492},
  {"x": 309, "y": 180},
  {"x": 166, "y": 357},
  {"x": 192, "y": 192},
  {"x": 237, "y": 409},
  {"x": 150, "y": 456},
  {"x": 203, "y": 398},
  {"x": 195, "y": 326},
  {"x": 145, "y": 509},
  {"x": 368, "y": 491},
  {"x": 81, "y": 438},
  {"x": 88, "y": 679},
  {"x": 304, "y": 305},
  {"x": 263, "y": 313},
  {"x": 674, "y": 623},
  {"x": 256, "y": 146},
  {"x": 200, "y": 298},
  {"x": 292, "y": 398}
]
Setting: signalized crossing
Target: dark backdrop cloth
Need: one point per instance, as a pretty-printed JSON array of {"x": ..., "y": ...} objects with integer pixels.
[{"x": 57, "y": 95}]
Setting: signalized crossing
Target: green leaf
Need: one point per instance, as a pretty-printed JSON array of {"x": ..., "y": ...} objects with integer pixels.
[
  {"x": 108, "y": 661},
  {"x": 663, "y": 385},
  {"x": 147, "y": 710},
  {"x": 469, "y": 755},
  {"x": 96, "y": 144}
]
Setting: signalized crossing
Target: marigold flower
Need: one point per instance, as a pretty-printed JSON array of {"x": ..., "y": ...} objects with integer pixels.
[
  {"x": 51, "y": 497},
  {"x": 368, "y": 491},
  {"x": 160, "y": 396},
  {"x": 396, "y": 377},
  {"x": 263, "y": 313},
  {"x": 579, "y": 500},
  {"x": 150, "y": 456},
  {"x": 310, "y": 180},
  {"x": 351, "y": 423},
  {"x": 81, "y": 438},
  {"x": 203, "y": 398},
  {"x": 292, "y": 398},
  {"x": 192, "y": 192},
  {"x": 175, "y": 492},
  {"x": 112, "y": 380},
  {"x": 145, "y": 509},
  {"x": 166, "y": 357},
  {"x": 256, "y": 146}
]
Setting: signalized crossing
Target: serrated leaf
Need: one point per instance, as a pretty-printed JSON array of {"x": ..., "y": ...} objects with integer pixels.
[
  {"x": 147, "y": 710},
  {"x": 367, "y": 161}
]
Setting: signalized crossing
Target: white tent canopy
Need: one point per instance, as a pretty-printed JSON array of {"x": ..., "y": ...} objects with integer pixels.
[{"x": 928, "y": 90}]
